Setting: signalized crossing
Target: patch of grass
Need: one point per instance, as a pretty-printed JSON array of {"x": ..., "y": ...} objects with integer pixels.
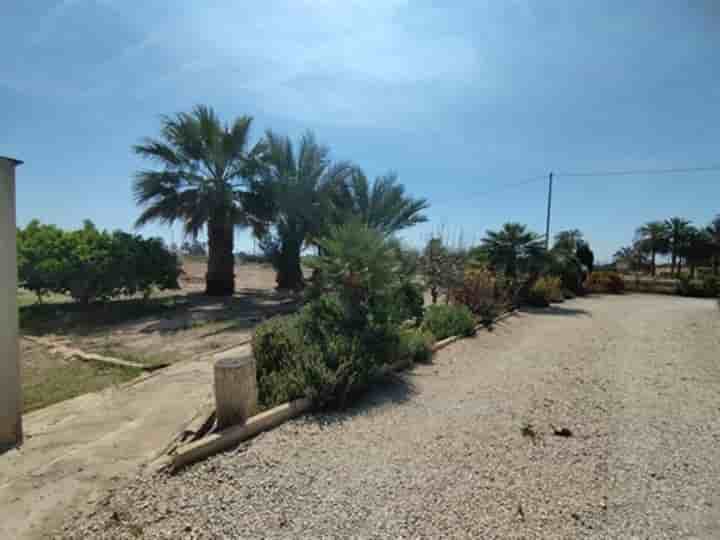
[
  {"x": 62, "y": 317},
  {"x": 145, "y": 360},
  {"x": 47, "y": 379}
]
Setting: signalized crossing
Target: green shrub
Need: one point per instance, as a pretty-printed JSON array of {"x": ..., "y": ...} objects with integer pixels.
[
  {"x": 89, "y": 264},
  {"x": 443, "y": 321},
  {"x": 709, "y": 287},
  {"x": 407, "y": 303},
  {"x": 554, "y": 285},
  {"x": 415, "y": 346},
  {"x": 605, "y": 282},
  {"x": 539, "y": 293}
]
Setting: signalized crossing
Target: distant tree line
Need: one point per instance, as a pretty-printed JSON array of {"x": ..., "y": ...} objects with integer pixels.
[{"x": 687, "y": 246}]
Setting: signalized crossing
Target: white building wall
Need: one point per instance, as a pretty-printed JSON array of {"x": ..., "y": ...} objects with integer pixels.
[{"x": 10, "y": 395}]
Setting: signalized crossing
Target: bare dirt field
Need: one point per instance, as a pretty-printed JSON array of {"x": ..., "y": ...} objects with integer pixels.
[{"x": 599, "y": 418}]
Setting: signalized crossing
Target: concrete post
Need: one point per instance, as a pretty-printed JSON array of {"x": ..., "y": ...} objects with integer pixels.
[
  {"x": 10, "y": 393},
  {"x": 236, "y": 390}
]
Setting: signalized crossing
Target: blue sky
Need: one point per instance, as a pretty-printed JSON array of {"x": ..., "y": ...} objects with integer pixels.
[{"x": 460, "y": 98}]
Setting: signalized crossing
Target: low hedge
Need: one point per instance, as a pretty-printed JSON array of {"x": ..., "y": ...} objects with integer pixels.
[
  {"x": 605, "y": 282},
  {"x": 443, "y": 321}
]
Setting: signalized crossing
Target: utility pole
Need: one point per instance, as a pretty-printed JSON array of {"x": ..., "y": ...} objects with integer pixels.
[{"x": 547, "y": 224}]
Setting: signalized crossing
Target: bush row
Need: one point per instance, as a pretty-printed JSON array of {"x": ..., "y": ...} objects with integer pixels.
[{"x": 89, "y": 264}]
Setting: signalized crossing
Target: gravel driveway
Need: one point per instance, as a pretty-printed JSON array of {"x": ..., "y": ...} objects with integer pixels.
[{"x": 598, "y": 418}]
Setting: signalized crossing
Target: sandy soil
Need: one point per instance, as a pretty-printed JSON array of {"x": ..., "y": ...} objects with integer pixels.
[{"x": 599, "y": 418}]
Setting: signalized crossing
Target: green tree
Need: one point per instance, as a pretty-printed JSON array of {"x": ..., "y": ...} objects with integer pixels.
[
  {"x": 382, "y": 205},
  {"x": 205, "y": 181},
  {"x": 655, "y": 239},
  {"x": 713, "y": 231},
  {"x": 513, "y": 248},
  {"x": 568, "y": 240},
  {"x": 677, "y": 236},
  {"x": 585, "y": 255},
  {"x": 697, "y": 248},
  {"x": 299, "y": 183}
]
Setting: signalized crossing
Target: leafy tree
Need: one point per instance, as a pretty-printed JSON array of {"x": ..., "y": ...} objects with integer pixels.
[
  {"x": 713, "y": 231},
  {"x": 206, "y": 181},
  {"x": 513, "y": 248},
  {"x": 655, "y": 239},
  {"x": 43, "y": 258},
  {"x": 677, "y": 236},
  {"x": 89, "y": 264},
  {"x": 298, "y": 183},
  {"x": 585, "y": 255},
  {"x": 568, "y": 240},
  {"x": 382, "y": 205}
]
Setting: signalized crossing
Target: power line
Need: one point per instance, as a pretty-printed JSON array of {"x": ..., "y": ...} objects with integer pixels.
[{"x": 644, "y": 171}]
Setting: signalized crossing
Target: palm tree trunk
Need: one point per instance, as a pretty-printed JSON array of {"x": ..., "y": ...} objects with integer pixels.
[
  {"x": 220, "y": 277},
  {"x": 716, "y": 264},
  {"x": 673, "y": 261},
  {"x": 289, "y": 270},
  {"x": 652, "y": 264}
]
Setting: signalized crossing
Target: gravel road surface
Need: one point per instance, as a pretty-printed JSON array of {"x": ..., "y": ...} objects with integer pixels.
[{"x": 597, "y": 418}]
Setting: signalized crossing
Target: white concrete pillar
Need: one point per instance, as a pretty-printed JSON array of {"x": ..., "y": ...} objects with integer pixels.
[{"x": 10, "y": 393}]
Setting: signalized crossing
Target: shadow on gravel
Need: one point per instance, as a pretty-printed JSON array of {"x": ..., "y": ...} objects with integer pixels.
[
  {"x": 393, "y": 389},
  {"x": 556, "y": 310}
]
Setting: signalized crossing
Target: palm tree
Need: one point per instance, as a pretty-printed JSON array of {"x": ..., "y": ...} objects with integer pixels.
[
  {"x": 513, "y": 248},
  {"x": 382, "y": 205},
  {"x": 697, "y": 249},
  {"x": 713, "y": 231},
  {"x": 654, "y": 237},
  {"x": 677, "y": 235},
  {"x": 633, "y": 256},
  {"x": 206, "y": 169},
  {"x": 299, "y": 183},
  {"x": 568, "y": 241}
]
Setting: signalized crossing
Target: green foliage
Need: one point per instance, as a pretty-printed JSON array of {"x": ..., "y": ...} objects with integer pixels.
[
  {"x": 383, "y": 205},
  {"x": 332, "y": 349},
  {"x": 605, "y": 282},
  {"x": 586, "y": 256},
  {"x": 416, "y": 346},
  {"x": 513, "y": 249},
  {"x": 206, "y": 180},
  {"x": 444, "y": 321},
  {"x": 298, "y": 183},
  {"x": 89, "y": 264},
  {"x": 709, "y": 287},
  {"x": 408, "y": 303},
  {"x": 543, "y": 291}
]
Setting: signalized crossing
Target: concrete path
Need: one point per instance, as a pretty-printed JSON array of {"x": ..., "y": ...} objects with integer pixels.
[{"x": 75, "y": 450}]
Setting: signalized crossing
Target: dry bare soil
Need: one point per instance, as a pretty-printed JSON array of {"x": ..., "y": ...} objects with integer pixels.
[{"x": 599, "y": 418}]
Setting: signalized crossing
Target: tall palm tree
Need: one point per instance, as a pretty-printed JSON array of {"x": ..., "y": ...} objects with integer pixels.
[
  {"x": 654, "y": 237},
  {"x": 299, "y": 181},
  {"x": 677, "y": 235},
  {"x": 206, "y": 168},
  {"x": 382, "y": 205},
  {"x": 713, "y": 231},
  {"x": 513, "y": 248}
]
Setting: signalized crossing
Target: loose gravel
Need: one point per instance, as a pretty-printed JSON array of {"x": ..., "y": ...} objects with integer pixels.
[{"x": 597, "y": 418}]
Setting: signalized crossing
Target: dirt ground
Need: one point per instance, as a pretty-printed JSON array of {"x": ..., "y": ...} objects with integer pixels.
[
  {"x": 598, "y": 418},
  {"x": 176, "y": 326}
]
